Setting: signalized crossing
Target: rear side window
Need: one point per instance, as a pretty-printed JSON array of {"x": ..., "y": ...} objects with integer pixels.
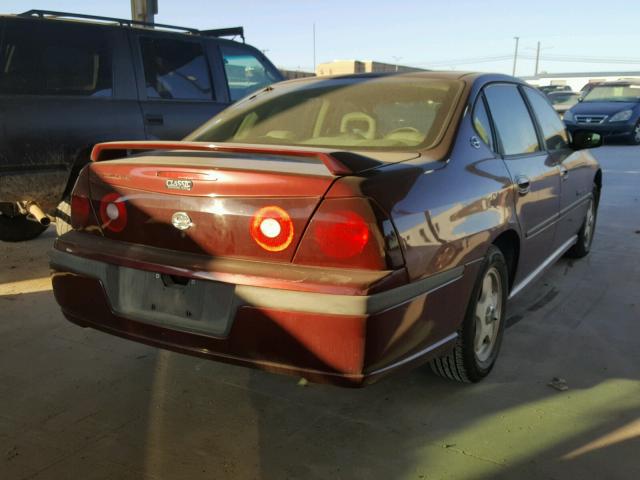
[
  {"x": 481, "y": 123},
  {"x": 511, "y": 118},
  {"x": 175, "y": 69},
  {"x": 246, "y": 73},
  {"x": 555, "y": 134},
  {"x": 72, "y": 61}
]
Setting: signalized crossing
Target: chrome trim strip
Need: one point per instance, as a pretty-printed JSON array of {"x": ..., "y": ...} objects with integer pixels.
[
  {"x": 543, "y": 266},
  {"x": 416, "y": 355},
  {"x": 542, "y": 226},
  {"x": 556, "y": 217},
  {"x": 575, "y": 204}
]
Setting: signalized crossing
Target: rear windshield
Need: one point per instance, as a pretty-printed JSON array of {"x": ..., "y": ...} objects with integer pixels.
[
  {"x": 387, "y": 113},
  {"x": 614, "y": 93}
]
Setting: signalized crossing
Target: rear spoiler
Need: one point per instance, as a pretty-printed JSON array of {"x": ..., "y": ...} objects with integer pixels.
[{"x": 112, "y": 150}]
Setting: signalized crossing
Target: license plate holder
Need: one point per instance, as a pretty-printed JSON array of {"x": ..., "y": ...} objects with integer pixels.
[{"x": 191, "y": 305}]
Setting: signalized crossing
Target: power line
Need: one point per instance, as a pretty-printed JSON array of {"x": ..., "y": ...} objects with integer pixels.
[{"x": 547, "y": 57}]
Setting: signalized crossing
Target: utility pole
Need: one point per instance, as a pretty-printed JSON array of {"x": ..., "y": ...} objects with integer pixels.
[
  {"x": 314, "y": 47},
  {"x": 144, "y": 10},
  {"x": 396, "y": 59},
  {"x": 515, "y": 55},
  {"x": 537, "y": 59}
]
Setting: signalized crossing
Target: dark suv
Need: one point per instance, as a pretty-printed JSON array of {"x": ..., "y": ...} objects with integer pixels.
[
  {"x": 69, "y": 81},
  {"x": 611, "y": 109}
]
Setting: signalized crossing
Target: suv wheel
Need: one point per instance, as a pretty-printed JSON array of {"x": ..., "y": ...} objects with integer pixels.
[
  {"x": 634, "y": 139},
  {"x": 480, "y": 337},
  {"x": 19, "y": 228},
  {"x": 63, "y": 217}
]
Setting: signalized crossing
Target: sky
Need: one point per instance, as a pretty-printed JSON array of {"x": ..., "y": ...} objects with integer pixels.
[{"x": 575, "y": 36}]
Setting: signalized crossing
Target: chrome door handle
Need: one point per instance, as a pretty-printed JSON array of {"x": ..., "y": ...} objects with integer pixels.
[
  {"x": 564, "y": 173},
  {"x": 524, "y": 184},
  {"x": 154, "y": 119}
]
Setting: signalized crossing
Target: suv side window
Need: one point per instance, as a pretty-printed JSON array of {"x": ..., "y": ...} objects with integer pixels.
[
  {"x": 481, "y": 122},
  {"x": 72, "y": 61},
  {"x": 555, "y": 134},
  {"x": 246, "y": 73},
  {"x": 175, "y": 69},
  {"x": 515, "y": 129}
]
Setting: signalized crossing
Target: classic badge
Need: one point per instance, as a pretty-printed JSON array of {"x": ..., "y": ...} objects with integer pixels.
[
  {"x": 181, "y": 221},
  {"x": 179, "y": 184}
]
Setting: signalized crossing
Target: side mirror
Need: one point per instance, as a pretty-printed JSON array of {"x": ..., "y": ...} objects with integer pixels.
[
  {"x": 580, "y": 98},
  {"x": 584, "y": 139}
]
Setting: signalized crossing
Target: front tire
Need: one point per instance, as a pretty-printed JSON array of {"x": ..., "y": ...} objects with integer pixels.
[
  {"x": 19, "y": 228},
  {"x": 480, "y": 336}
]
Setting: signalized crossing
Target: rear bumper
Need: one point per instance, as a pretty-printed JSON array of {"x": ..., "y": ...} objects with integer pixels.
[{"x": 332, "y": 338}]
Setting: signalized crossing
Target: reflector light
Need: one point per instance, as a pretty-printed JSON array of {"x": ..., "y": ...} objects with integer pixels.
[
  {"x": 113, "y": 212},
  {"x": 342, "y": 235},
  {"x": 271, "y": 228}
]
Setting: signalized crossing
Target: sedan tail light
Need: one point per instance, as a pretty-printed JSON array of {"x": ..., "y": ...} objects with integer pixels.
[
  {"x": 272, "y": 228},
  {"x": 80, "y": 211},
  {"x": 113, "y": 212},
  {"x": 346, "y": 232}
]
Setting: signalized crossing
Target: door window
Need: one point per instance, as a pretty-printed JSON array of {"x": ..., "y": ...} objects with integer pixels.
[
  {"x": 246, "y": 73},
  {"x": 175, "y": 69},
  {"x": 511, "y": 118},
  {"x": 555, "y": 134},
  {"x": 72, "y": 61},
  {"x": 481, "y": 123}
]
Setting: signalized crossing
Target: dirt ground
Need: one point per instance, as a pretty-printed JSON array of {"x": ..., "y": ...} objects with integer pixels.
[{"x": 79, "y": 404}]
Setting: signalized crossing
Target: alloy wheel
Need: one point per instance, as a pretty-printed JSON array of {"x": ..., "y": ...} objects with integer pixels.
[
  {"x": 589, "y": 223},
  {"x": 488, "y": 314}
]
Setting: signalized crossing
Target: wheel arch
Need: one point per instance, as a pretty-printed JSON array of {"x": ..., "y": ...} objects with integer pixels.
[
  {"x": 597, "y": 180},
  {"x": 508, "y": 242}
]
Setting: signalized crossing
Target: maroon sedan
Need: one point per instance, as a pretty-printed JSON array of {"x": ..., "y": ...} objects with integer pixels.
[{"x": 338, "y": 228}]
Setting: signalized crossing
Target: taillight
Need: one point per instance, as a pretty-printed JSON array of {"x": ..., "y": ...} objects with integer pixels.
[
  {"x": 344, "y": 232},
  {"x": 271, "y": 228},
  {"x": 80, "y": 211},
  {"x": 113, "y": 212}
]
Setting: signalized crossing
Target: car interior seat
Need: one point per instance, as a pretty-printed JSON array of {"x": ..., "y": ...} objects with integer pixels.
[{"x": 358, "y": 123}]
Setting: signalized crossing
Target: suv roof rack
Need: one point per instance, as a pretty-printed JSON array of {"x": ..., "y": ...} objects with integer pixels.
[{"x": 123, "y": 22}]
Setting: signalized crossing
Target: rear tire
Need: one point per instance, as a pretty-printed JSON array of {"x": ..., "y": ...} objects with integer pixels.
[
  {"x": 634, "y": 137},
  {"x": 480, "y": 336},
  {"x": 585, "y": 234},
  {"x": 63, "y": 217},
  {"x": 19, "y": 228}
]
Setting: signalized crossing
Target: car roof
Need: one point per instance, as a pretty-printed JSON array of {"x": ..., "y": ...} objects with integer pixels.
[
  {"x": 470, "y": 77},
  {"x": 620, "y": 83},
  {"x": 112, "y": 22},
  {"x": 562, "y": 92}
]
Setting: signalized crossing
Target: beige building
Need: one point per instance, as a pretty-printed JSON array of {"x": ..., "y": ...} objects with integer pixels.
[
  {"x": 345, "y": 67},
  {"x": 291, "y": 74}
]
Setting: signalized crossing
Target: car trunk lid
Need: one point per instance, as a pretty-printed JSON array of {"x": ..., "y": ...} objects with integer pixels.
[{"x": 202, "y": 198}]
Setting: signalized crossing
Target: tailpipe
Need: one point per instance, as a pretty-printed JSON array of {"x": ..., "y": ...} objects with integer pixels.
[{"x": 36, "y": 212}]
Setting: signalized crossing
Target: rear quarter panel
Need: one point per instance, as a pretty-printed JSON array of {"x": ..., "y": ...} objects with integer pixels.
[{"x": 448, "y": 212}]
